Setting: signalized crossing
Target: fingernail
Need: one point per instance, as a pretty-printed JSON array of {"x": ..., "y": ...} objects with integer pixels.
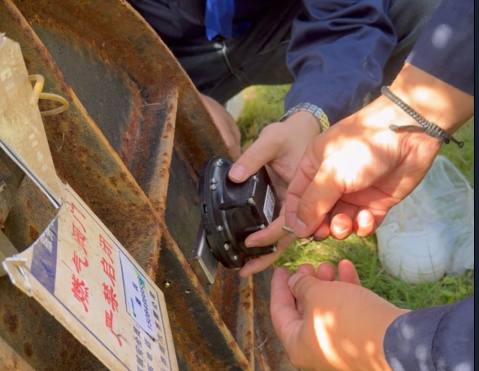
[
  {"x": 300, "y": 223},
  {"x": 364, "y": 219},
  {"x": 238, "y": 173},
  {"x": 294, "y": 278},
  {"x": 251, "y": 243},
  {"x": 340, "y": 227}
]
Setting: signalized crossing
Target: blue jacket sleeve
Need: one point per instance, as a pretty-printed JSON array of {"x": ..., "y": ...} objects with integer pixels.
[
  {"x": 337, "y": 52},
  {"x": 445, "y": 48},
  {"x": 438, "y": 338}
]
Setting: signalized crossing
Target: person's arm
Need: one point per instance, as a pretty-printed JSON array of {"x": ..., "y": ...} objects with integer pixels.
[
  {"x": 337, "y": 52},
  {"x": 354, "y": 172},
  {"x": 433, "y": 338},
  {"x": 366, "y": 191},
  {"x": 326, "y": 324}
]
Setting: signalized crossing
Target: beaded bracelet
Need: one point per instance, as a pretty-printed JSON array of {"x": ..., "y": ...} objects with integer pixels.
[{"x": 427, "y": 127}]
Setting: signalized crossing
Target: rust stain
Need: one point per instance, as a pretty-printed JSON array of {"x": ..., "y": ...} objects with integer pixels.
[
  {"x": 11, "y": 321},
  {"x": 33, "y": 233},
  {"x": 28, "y": 349},
  {"x": 113, "y": 181}
]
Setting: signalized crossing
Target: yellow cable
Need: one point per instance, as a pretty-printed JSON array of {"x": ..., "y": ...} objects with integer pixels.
[{"x": 37, "y": 94}]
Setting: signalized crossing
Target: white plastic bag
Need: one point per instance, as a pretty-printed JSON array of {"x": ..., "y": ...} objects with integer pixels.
[{"x": 431, "y": 232}]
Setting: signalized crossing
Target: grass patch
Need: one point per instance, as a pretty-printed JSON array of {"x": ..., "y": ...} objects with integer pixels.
[{"x": 264, "y": 105}]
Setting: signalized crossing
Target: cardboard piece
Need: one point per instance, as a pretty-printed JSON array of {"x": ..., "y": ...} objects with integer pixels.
[{"x": 77, "y": 270}]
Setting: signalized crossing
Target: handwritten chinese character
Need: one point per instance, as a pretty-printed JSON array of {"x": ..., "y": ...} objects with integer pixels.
[
  {"x": 79, "y": 237},
  {"x": 79, "y": 262},
  {"x": 137, "y": 332},
  {"x": 74, "y": 211},
  {"x": 138, "y": 351},
  {"x": 80, "y": 291},
  {"x": 105, "y": 246},
  {"x": 109, "y": 270},
  {"x": 109, "y": 324},
  {"x": 162, "y": 348},
  {"x": 147, "y": 343},
  {"x": 139, "y": 361},
  {"x": 164, "y": 361},
  {"x": 110, "y": 296}
]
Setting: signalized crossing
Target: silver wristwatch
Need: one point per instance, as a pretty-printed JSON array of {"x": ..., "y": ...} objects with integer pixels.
[{"x": 311, "y": 108}]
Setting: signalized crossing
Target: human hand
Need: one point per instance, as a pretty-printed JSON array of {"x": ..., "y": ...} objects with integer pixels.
[
  {"x": 352, "y": 174},
  {"x": 226, "y": 125},
  {"x": 325, "y": 324},
  {"x": 280, "y": 146}
]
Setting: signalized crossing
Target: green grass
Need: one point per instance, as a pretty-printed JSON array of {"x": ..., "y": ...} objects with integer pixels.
[{"x": 264, "y": 104}]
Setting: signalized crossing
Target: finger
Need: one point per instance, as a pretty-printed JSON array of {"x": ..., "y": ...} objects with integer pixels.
[
  {"x": 308, "y": 201},
  {"x": 348, "y": 273},
  {"x": 254, "y": 158},
  {"x": 268, "y": 236},
  {"x": 341, "y": 226},
  {"x": 264, "y": 261},
  {"x": 323, "y": 230},
  {"x": 365, "y": 223},
  {"x": 305, "y": 270},
  {"x": 348, "y": 218},
  {"x": 326, "y": 272},
  {"x": 302, "y": 286},
  {"x": 284, "y": 315}
]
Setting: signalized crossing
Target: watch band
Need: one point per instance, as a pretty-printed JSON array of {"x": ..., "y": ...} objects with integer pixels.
[{"x": 311, "y": 108}]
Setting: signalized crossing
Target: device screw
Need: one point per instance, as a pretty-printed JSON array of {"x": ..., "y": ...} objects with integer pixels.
[
  {"x": 262, "y": 226},
  {"x": 235, "y": 257},
  {"x": 213, "y": 187},
  {"x": 219, "y": 162},
  {"x": 250, "y": 201},
  {"x": 226, "y": 246},
  {"x": 167, "y": 284},
  {"x": 273, "y": 249},
  {"x": 219, "y": 228},
  {"x": 255, "y": 178},
  {"x": 213, "y": 181}
]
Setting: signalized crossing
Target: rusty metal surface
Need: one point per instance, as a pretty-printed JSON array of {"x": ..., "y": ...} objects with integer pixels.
[
  {"x": 131, "y": 145},
  {"x": 10, "y": 360},
  {"x": 30, "y": 330},
  {"x": 10, "y": 178}
]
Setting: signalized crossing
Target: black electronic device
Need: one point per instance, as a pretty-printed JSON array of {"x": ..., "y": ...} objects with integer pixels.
[{"x": 230, "y": 212}]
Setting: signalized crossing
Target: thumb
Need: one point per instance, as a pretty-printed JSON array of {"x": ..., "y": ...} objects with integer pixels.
[
  {"x": 302, "y": 285},
  {"x": 254, "y": 158}
]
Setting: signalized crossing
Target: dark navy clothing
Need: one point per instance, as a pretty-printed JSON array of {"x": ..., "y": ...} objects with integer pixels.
[
  {"x": 440, "y": 338},
  {"x": 446, "y": 47},
  {"x": 433, "y": 339},
  {"x": 337, "y": 53},
  {"x": 334, "y": 52}
]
